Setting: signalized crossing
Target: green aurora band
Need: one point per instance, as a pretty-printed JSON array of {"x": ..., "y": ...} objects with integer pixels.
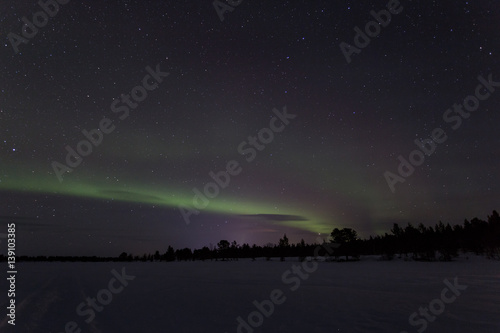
[{"x": 32, "y": 182}]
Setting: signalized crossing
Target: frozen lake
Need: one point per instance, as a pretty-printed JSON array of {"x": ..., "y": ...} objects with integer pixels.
[{"x": 365, "y": 296}]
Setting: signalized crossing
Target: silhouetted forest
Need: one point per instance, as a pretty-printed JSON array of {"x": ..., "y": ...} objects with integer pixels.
[{"x": 441, "y": 242}]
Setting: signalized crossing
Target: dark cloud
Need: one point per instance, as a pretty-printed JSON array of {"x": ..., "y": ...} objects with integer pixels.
[
  {"x": 277, "y": 217},
  {"x": 128, "y": 195}
]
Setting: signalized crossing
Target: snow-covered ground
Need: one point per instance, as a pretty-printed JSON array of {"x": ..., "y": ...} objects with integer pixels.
[{"x": 365, "y": 296}]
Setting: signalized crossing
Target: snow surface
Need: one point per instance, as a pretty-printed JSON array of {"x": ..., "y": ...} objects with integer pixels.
[{"x": 364, "y": 296}]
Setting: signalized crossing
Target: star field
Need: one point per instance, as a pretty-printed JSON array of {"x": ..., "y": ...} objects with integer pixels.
[{"x": 324, "y": 170}]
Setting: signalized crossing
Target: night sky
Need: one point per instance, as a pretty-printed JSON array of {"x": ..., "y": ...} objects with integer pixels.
[{"x": 324, "y": 166}]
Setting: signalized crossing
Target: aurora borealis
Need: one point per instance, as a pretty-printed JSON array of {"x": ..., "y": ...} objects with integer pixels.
[{"x": 324, "y": 169}]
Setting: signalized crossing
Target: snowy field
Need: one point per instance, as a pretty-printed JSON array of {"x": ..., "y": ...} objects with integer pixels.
[{"x": 365, "y": 296}]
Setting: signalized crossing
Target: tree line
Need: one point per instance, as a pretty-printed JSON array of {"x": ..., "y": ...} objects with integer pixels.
[{"x": 441, "y": 242}]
